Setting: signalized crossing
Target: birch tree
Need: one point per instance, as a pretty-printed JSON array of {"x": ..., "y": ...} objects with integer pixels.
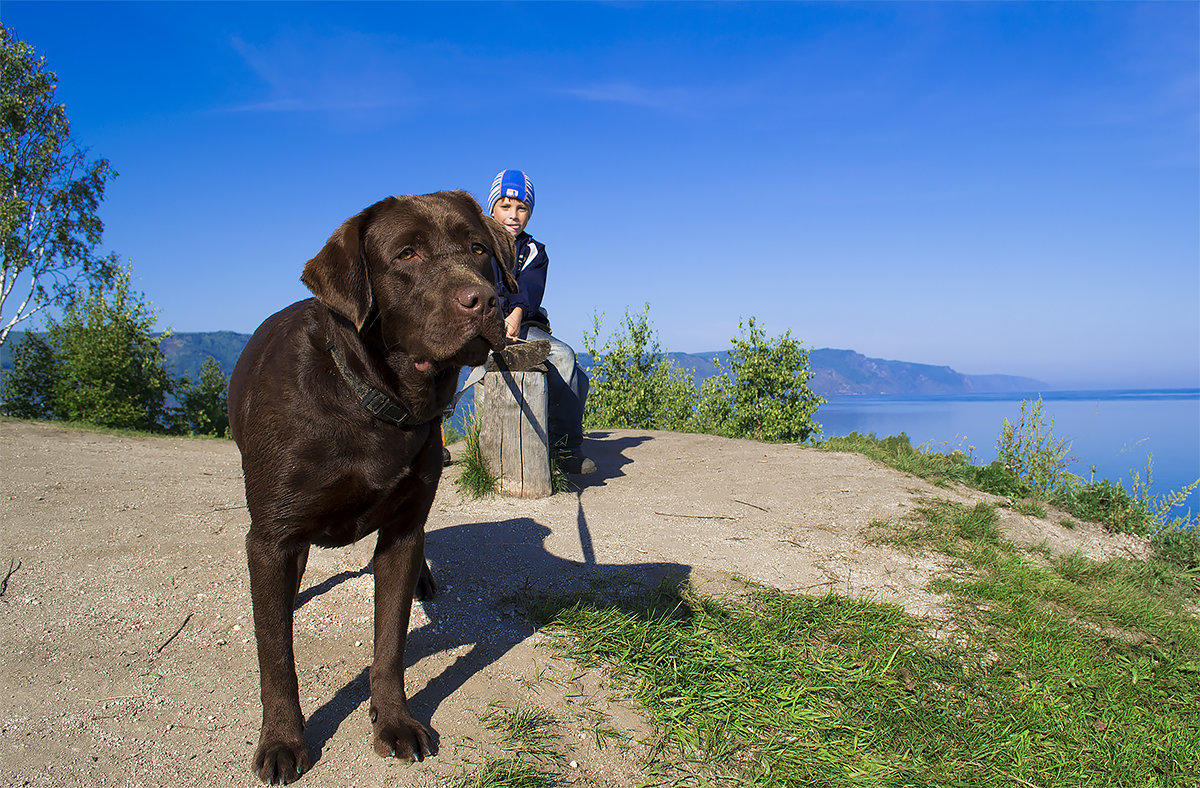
[{"x": 49, "y": 193}]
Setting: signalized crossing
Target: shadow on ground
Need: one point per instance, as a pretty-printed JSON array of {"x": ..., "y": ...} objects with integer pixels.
[{"x": 488, "y": 575}]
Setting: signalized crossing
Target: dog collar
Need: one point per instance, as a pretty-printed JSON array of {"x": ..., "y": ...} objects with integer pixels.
[{"x": 378, "y": 404}]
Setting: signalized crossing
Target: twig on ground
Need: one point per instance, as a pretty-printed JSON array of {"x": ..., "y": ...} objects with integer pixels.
[
  {"x": 699, "y": 516},
  {"x": 13, "y": 565},
  {"x": 752, "y": 505},
  {"x": 809, "y": 525},
  {"x": 175, "y": 635}
]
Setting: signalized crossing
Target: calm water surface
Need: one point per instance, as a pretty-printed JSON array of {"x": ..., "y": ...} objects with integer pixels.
[{"x": 1114, "y": 431}]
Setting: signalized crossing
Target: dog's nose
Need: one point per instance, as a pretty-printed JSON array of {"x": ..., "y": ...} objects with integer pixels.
[{"x": 479, "y": 299}]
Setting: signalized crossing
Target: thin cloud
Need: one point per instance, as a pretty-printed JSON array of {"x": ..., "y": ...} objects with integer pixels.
[
  {"x": 663, "y": 99},
  {"x": 322, "y": 74}
]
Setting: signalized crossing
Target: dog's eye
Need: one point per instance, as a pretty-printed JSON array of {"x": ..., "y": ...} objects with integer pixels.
[
  {"x": 407, "y": 253},
  {"x": 478, "y": 248}
]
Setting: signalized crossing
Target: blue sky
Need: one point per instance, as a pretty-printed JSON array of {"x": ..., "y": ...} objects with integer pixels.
[{"x": 998, "y": 187}]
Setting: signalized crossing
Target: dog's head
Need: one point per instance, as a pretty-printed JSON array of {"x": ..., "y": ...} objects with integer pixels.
[{"x": 419, "y": 270}]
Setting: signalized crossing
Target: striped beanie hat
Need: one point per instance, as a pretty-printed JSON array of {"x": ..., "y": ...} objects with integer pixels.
[{"x": 511, "y": 183}]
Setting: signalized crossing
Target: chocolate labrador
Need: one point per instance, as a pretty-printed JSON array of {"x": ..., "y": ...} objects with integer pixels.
[{"x": 335, "y": 404}]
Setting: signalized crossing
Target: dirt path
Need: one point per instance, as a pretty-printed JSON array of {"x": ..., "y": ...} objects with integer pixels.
[{"x": 128, "y": 654}]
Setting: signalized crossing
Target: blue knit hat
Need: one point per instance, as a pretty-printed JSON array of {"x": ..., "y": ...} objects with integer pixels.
[{"x": 511, "y": 183}]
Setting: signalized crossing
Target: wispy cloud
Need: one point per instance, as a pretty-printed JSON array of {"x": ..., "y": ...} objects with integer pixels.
[
  {"x": 669, "y": 99},
  {"x": 302, "y": 73}
]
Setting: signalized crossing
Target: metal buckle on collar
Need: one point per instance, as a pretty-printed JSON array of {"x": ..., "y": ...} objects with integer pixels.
[{"x": 378, "y": 404}]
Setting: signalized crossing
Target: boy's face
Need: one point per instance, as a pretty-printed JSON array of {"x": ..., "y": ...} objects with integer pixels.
[{"x": 513, "y": 214}]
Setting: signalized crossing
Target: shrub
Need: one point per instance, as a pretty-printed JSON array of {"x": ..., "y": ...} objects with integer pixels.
[
  {"x": 203, "y": 405},
  {"x": 1105, "y": 502},
  {"x": 764, "y": 395},
  {"x": 100, "y": 364},
  {"x": 632, "y": 386},
  {"x": 113, "y": 372},
  {"x": 29, "y": 386},
  {"x": 1031, "y": 453}
]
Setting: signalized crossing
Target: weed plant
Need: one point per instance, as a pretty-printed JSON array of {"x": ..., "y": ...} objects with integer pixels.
[{"x": 1030, "y": 451}]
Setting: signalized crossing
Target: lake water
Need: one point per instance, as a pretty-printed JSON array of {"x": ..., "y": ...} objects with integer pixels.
[{"x": 1115, "y": 431}]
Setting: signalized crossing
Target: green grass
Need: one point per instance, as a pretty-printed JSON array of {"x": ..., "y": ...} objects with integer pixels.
[
  {"x": 1056, "y": 671},
  {"x": 475, "y": 480},
  {"x": 1175, "y": 539},
  {"x": 938, "y": 468},
  {"x": 1030, "y": 508},
  {"x": 523, "y": 730},
  {"x": 478, "y": 481},
  {"x": 509, "y": 773}
]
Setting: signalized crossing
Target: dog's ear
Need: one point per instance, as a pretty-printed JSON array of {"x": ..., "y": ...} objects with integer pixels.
[
  {"x": 338, "y": 276},
  {"x": 506, "y": 252}
]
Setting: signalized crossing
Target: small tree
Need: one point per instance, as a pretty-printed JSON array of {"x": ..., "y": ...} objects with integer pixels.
[
  {"x": 112, "y": 370},
  {"x": 764, "y": 394},
  {"x": 28, "y": 391},
  {"x": 632, "y": 386},
  {"x": 49, "y": 193},
  {"x": 203, "y": 404}
]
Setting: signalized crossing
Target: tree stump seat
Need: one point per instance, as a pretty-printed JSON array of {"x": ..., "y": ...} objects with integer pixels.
[{"x": 513, "y": 437}]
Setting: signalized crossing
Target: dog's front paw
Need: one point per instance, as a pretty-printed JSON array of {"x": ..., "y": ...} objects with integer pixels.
[
  {"x": 281, "y": 763},
  {"x": 402, "y": 738}
]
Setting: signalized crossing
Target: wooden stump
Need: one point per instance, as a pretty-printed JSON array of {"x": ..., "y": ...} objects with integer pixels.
[{"x": 513, "y": 438}]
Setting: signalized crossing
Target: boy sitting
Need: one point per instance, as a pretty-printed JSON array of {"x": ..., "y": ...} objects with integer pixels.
[{"x": 510, "y": 202}]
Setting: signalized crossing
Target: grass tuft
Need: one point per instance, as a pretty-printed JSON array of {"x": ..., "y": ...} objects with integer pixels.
[
  {"x": 523, "y": 730},
  {"x": 509, "y": 773},
  {"x": 475, "y": 480}
]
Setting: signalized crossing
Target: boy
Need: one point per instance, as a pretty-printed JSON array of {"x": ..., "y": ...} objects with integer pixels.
[{"x": 510, "y": 202}]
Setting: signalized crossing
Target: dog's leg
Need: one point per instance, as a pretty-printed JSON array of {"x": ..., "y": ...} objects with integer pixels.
[
  {"x": 399, "y": 562},
  {"x": 281, "y": 756}
]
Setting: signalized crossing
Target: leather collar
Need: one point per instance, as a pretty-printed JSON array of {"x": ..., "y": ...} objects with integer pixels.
[{"x": 377, "y": 403}]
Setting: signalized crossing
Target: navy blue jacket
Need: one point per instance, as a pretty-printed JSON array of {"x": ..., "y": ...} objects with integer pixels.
[{"x": 532, "y": 264}]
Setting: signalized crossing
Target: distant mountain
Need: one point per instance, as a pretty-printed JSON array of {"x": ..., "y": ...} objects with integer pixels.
[
  {"x": 838, "y": 373},
  {"x": 842, "y": 372},
  {"x": 185, "y": 352},
  {"x": 188, "y": 352},
  {"x": 835, "y": 372}
]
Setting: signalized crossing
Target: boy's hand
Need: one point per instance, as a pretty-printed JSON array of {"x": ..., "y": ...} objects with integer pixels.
[{"x": 512, "y": 323}]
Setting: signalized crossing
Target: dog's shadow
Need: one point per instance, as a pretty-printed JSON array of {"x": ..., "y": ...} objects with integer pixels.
[{"x": 486, "y": 573}]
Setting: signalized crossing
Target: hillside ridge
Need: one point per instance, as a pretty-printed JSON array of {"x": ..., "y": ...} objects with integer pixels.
[{"x": 836, "y": 372}]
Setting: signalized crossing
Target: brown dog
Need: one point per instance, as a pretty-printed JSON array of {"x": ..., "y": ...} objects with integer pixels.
[{"x": 335, "y": 404}]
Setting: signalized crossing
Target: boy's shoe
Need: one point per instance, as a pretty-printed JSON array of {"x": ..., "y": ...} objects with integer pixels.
[
  {"x": 446, "y": 459},
  {"x": 576, "y": 464}
]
